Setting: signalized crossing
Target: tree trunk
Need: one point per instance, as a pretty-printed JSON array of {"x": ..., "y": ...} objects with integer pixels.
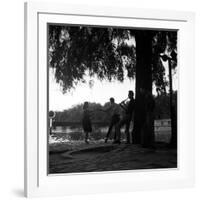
[
  {"x": 143, "y": 132},
  {"x": 173, "y": 114}
]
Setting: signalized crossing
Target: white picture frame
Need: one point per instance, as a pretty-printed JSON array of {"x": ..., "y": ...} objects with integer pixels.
[{"x": 37, "y": 182}]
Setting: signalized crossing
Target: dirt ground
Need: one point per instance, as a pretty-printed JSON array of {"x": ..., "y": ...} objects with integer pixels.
[{"x": 96, "y": 157}]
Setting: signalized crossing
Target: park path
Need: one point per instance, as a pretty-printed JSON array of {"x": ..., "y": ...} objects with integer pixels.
[{"x": 108, "y": 157}]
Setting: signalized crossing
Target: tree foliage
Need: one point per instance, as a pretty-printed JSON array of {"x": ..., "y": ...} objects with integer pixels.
[
  {"x": 74, "y": 114},
  {"x": 76, "y": 51},
  {"x": 163, "y": 42},
  {"x": 107, "y": 53},
  {"x": 162, "y": 105}
]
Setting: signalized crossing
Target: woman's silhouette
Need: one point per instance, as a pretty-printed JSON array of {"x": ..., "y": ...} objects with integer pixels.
[{"x": 86, "y": 122}]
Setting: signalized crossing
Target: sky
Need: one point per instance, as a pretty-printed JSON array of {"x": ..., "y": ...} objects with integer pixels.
[{"x": 99, "y": 93}]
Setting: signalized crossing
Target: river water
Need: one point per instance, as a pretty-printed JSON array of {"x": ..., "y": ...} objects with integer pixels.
[{"x": 162, "y": 131}]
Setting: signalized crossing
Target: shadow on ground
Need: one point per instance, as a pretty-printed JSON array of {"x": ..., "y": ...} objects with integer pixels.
[{"x": 109, "y": 157}]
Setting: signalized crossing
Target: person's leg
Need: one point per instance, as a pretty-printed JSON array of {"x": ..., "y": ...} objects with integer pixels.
[
  {"x": 115, "y": 134},
  {"x": 86, "y": 137},
  {"x": 117, "y": 119},
  {"x": 127, "y": 131},
  {"x": 118, "y": 131},
  {"x": 109, "y": 131}
]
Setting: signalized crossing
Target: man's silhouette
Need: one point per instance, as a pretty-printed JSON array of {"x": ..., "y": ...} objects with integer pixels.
[
  {"x": 114, "y": 109},
  {"x": 126, "y": 119}
]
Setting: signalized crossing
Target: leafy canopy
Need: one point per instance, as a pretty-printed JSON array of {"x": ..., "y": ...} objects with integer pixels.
[{"x": 107, "y": 53}]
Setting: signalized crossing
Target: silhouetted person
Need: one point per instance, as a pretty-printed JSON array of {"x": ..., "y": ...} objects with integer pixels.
[
  {"x": 126, "y": 119},
  {"x": 86, "y": 122},
  {"x": 114, "y": 109}
]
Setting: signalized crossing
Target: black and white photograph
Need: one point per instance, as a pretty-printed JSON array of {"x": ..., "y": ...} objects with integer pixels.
[{"x": 112, "y": 98}]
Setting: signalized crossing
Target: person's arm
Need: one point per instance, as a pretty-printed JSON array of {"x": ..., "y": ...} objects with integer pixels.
[
  {"x": 105, "y": 110},
  {"x": 91, "y": 111},
  {"x": 123, "y": 106}
]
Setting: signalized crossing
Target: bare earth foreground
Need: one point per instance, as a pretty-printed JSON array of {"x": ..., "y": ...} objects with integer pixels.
[{"x": 96, "y": 157}]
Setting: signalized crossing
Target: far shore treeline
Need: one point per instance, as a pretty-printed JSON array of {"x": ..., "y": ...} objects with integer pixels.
[{"x": 74, "y": 115}]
